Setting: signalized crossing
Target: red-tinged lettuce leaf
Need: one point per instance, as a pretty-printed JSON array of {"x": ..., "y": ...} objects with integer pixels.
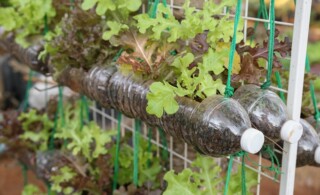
[
  {"x": 142, "y": 54},
  {"x": 251, "y": 70},
  {"x": 10, "y": 126},
  {"x": 199, "y": 44},
  {"x": 79, "y": 43}
]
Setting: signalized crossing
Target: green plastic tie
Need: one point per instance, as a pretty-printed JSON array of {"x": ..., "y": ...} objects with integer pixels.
[
  {"x": 279, "y": 83},
  {"x": 26, "y": 97},
  {"x": 229, "y": 89},
  {"x": 262, "y": 12},
  {"x": 255, "y": 26},
  {"x": 226, "y": 187},
  {"x": 313, "y": 94},
  {"x": 241, "y": 154},
  {"x": 267, "y": 84},
  {"x": 274, "y": 161},
  {"x": 314, "y": 102},
  {"x": 48, "y": 188},
  {"x": 153, "y": 7},
  {"x": 116, "y": 160},
  {"x": 118, "y": 54},
  {"x": 24, "y": 169},
  {"x": 46, "y": 26},
  {"x": 164, "y": 153},
  {"x": 59, "y": 117},
  {"x": 61, "y": 112},
  {"x": 149, "y": 5},
  {"x": 308, "y": 68},
  {"x": 137, "y": 128},
  {"x": 173, "y": 52}
]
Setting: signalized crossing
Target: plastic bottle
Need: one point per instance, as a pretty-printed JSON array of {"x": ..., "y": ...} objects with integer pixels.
[
  {"x": 216, "y": 126},
  {"x": 308, "y": 152},
  {"x": 314, "y": 123},
  {"x": 48, "y": 162},
  {"x": 266, "y": 110},
  {"x": 308, "y": 146}
]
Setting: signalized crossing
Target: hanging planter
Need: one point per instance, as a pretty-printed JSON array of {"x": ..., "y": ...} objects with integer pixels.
[
  {"x": 266, "y": 110},
  {"x": 314, "y": 123},
  {"x": 127, "y": 93},
  {"x": 308, "y": 146},
  {"x": 308, "y": 152},
  {"x": 215, "y": 127},
  {"x": 167, "y": 72}
]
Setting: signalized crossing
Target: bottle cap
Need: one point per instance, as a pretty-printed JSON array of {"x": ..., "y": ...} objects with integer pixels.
[
  {"x": 317, "y": 155},
  {"x": 252, "y": 140},
  {"x": 291, "y": 131}
]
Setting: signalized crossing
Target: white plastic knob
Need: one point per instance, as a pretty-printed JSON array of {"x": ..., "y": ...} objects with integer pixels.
[
  {"x": 291, "y": 131},
  {"x": 317, "y": 155},
  {"x": 252, "y": 140}
]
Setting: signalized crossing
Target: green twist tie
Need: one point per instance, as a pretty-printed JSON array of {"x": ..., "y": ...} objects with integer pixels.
[
  {"x": 262, "y": 12},
  {"x": 153, "y": 6},
  {"x": 117, "y": 56},
  {"x": 274, "y": 161},
  {"x": 267, "y": 84},
  {"x": 164, "y": 153},
  {"x": 25, "y": 103},
  {"x": 314, "y": 102},
  {"x": 279, "y": 83},
  {"x": 241, "y": 154},
  {"x": 229, "y": 90},
  {"x": 116, "y": 159},
  {"x": 24, "y": 169},
  {"x": 48, "y": 188},
  {"x": 313, "y": 94},
  {"x": 173, "y": 52}
]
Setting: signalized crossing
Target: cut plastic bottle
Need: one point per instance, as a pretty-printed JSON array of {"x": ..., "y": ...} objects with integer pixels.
[
  {"x": 266, "y": 110},
  {"x": 308, "y": 152},
  {"x": 215, "y": 127}
]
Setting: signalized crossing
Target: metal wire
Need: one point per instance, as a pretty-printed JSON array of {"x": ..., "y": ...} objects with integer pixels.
[{"x": 109, "y": 116}]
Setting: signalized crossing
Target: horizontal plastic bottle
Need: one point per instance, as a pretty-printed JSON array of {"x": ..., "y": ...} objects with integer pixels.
[
  {"x": 314, "y": 123},
  {"x": 48, "y": 162},
  {"x": 266, "y": 110},
  {"x": 308, "y": 152},
  {"x": 308, "y": 146},
  {"x": 215, "y": 127}
]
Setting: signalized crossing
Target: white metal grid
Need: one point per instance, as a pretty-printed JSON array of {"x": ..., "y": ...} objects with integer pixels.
[{"x": 108, "y": 120}]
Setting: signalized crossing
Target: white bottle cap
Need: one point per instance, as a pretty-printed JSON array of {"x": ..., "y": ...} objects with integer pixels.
[
  {"x": 317, "y": 155},
  {"x": 252, "y": 140},
  {"x": 291, "y": 131}
]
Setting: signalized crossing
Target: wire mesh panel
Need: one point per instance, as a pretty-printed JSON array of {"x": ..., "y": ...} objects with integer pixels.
[{"x": 180, "y": 154}]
